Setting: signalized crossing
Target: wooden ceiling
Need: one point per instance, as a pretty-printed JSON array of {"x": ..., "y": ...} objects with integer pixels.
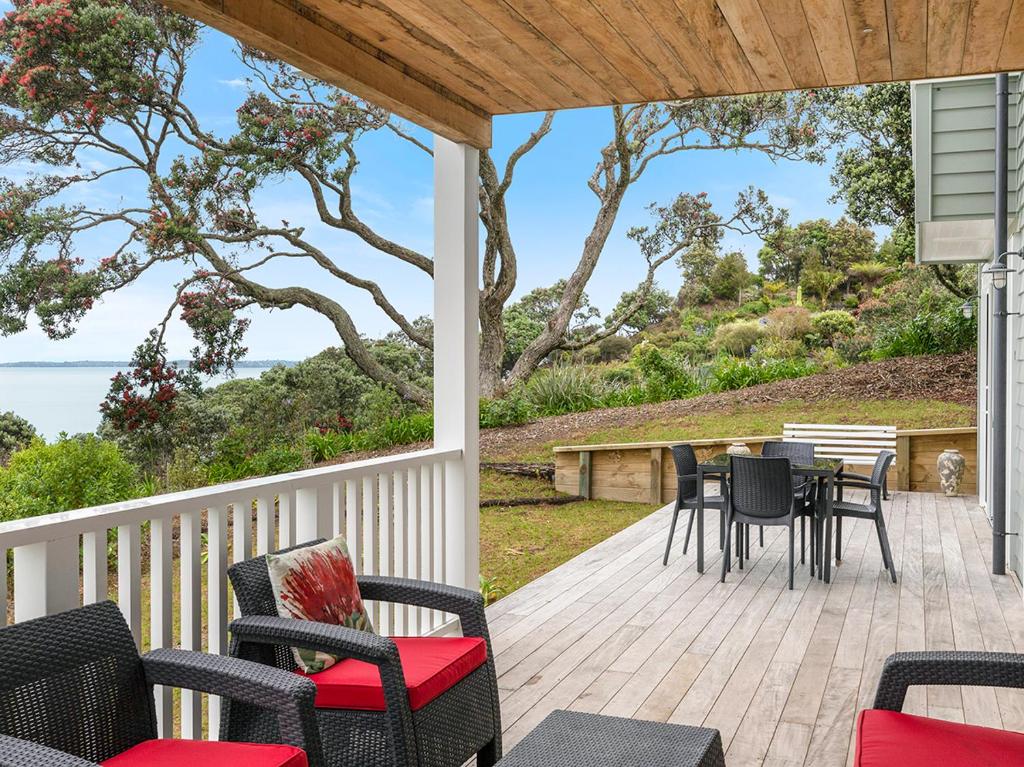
[{"x": 450, "y": 65}]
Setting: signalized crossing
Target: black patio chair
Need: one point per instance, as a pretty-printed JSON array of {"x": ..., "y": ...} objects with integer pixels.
[
  {"x": 872, "y": 510},
  {"x": 685, "y": 460},
  {"x": 761, "y": 493},
  {"x": 74, "y": 692},
  {"x": 887, "y": 736},
  {"x": 800, "y": 453},
  {"x": 416, "y": 712}
]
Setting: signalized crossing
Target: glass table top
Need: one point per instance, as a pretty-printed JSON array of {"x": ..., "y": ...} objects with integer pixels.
[{"x": 721, "y": 461}]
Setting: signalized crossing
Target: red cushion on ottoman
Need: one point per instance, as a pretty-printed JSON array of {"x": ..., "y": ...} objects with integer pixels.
[
  {"x": 887, "y": 738},
  {"x": 200, "y": 753},
  {"x": 431, "y": 665}
]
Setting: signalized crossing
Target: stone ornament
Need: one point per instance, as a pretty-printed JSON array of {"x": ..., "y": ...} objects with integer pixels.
[{"x": 951, "y": 466}]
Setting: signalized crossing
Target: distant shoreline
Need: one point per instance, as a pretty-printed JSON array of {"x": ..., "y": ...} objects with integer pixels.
[{"x": 125, "y": 364}]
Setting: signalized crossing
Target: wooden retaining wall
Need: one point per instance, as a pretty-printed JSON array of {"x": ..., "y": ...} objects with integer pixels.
[{"x": 643, "y": 472}]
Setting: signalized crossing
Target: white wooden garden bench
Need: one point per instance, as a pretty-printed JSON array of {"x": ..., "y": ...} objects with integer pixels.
[{"x": 857, "y": 445}]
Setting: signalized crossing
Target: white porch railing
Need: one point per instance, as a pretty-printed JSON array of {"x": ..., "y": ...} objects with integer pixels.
[{"x": 175, "y": 591}]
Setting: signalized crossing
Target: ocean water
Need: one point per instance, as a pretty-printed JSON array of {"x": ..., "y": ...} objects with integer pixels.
[{"x": 56, "y": 399}]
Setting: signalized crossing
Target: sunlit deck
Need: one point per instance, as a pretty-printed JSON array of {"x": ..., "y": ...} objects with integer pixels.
[{"x": 781, "y": 674}]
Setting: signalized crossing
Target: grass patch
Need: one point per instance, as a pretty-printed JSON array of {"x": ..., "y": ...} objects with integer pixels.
[
  {"x": 750, "y": 420},
  {"x": 519, "y": 544}
]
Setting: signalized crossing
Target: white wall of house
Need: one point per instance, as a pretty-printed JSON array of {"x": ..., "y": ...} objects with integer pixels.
[{"x": 954, "y": 163}]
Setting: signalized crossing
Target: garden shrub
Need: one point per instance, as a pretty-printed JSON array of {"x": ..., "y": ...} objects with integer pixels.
[
  {"x": 779, "y": 349},
  {"x": 510, "y": 410},
  {"x": 788, "y": 323},
  {"x": 71, "y": 473},
  {"x": 563, "y": 389},
  {"x": 15, "y": 434},
  {"x": 663, "y": 374},
  {"x": 834, "y": 324},
  {"x": 415, "y": 427},
  {"x": 738, "y": 338},
  {"x": 941, "y": 331},
  {"x": 730, "y": 373}
]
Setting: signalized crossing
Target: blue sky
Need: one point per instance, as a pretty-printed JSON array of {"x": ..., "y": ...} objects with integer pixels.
[{"x": 550, "y": 206}]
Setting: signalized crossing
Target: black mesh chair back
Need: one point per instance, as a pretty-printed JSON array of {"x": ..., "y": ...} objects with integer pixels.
[
  {"x": 762, "y": 487},
  {"x": 251, "y": 583},
  {"x": 797, "y": 452},
  {"x": 686, "y": 465},
  {"x": 800, "y": 453},
  {"x": 881, "y": 467},
  {"x": 75, "y": 682}
]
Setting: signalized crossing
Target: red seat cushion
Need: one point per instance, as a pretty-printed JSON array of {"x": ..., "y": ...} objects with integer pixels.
[
  {"x": 200, "y": 753},
  {"x": 886, "y": 738},
  {"x": 431, "y": 666}
]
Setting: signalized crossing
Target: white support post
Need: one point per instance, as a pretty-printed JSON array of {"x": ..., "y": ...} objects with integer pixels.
[
  {"x": 45, "y": 578},
  {"x": 456, "y": 351}
]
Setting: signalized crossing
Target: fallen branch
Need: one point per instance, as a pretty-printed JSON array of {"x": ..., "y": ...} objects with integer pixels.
[{"x": 551, "y": 500}]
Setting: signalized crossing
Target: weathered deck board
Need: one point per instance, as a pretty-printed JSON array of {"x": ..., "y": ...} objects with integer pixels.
[{"x": 781, "y": 674}]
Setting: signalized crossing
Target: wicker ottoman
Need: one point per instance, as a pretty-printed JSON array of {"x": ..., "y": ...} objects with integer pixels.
[{"x": 574, "y": 739}]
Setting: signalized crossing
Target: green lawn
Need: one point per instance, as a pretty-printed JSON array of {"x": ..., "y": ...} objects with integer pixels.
[
  {"x": 758, "y": 419},
  {"x": 520, "y": 543}
]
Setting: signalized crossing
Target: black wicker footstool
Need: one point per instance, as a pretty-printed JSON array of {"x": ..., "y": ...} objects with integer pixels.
[{"x": 575, "y": 739}]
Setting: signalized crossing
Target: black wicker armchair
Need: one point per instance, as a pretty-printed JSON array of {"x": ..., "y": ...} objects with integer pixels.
[
  {"x": 74, "y": 692},
  {"x": 685, "y": 460},
  {"x": 872, "y": 510},
  {"x": 802, "y": 454},
  {"x": 437, "y": 720},
  {"x": 887, "y": 736},
  {"x": 761, "y": 494}
]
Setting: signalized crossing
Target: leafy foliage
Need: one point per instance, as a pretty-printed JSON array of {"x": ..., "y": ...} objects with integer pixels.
[
  {"x": 71, "y": 473},
  {"x": 730, "y": 373},
  {"x": 738, "y": 338},
  {"x": 15, "y": 434}
]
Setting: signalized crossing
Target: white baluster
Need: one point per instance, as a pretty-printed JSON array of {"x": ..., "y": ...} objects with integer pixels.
[
  {"x": 438, "y": 575},
  {"x": 265, "y": 539},
  {"x": 401, "y": 545},
  {"x": 94, "y": 567},
  {"x": 354, "y": 521},
  {"x": 161, "y": 597},
  {"x": 338, "y": 508},
  {"x": 3, "y": 587},
  {"x": 216, "y": 598},
  {"x": 191, "y": 617},
  {"x": 426, "y": 538},
  {"x": 286, "y": 519},
  {"x": 129, "y": 578},
  {"x": 384, "y": 567},
  {"x": 412, "y": 522},
  {"x": 371, "y": 534},
  {"x": 45, "y": 578},
  {"x": 241, "y": 538}
]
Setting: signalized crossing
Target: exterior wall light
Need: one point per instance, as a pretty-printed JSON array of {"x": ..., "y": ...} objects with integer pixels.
[
  {"x": 967, "y": 308},
  {"x": 997, "y": 272}
]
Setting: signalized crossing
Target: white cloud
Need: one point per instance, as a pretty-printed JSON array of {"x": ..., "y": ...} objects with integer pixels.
[{"x": 237, "y": 82}]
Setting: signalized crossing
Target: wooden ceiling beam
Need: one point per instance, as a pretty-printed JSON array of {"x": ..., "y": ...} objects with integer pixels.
[{"x": 306, "y": 39}]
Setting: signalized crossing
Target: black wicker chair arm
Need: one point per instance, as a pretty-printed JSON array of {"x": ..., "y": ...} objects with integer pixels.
[
  {"x": 857, "y": 483},
  {"x": 853, "y": 475},
  {"x": 15, "y": 752},
  {"x": 325, "y": 637},
  {"x": 983, "y": 669},
  {"x": 467, "y": 604},
  {"x": 290, "y": 696}
]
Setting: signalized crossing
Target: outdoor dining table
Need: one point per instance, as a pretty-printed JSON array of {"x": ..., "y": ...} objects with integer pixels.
[{"x": 824, "y": 471}]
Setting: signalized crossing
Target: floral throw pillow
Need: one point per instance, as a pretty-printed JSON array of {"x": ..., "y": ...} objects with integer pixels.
[{"x": 318, "y": 583}]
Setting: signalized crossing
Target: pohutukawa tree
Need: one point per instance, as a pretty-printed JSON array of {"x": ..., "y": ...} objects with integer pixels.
[{"x": 88, "y": 80}]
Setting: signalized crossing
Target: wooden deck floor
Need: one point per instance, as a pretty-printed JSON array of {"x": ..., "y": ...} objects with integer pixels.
[{"x": 781, "y": 674}]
